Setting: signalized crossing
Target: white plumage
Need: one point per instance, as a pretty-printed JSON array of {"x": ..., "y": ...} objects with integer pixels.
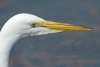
[{"x": 20, "y": 26}]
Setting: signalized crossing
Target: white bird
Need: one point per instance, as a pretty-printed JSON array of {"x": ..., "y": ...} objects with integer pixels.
[{"x": 22, "y": 25}]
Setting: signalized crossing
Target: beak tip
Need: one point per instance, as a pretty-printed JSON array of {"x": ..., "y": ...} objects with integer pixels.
[
  {"x": 88, "y": 28},
  {"x": 92, "y": 28}
]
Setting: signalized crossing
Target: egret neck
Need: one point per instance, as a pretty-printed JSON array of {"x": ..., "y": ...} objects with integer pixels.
[{"x": 6, "y": 43}]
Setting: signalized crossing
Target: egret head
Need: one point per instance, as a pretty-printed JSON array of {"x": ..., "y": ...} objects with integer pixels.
[{"x": 28, "y": 25}]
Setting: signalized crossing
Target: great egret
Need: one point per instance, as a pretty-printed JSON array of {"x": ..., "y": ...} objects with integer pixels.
[{"x": 22, "y": 25}]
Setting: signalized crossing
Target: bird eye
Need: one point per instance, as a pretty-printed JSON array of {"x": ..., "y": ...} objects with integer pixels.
[{"x": 34, "y": 25}]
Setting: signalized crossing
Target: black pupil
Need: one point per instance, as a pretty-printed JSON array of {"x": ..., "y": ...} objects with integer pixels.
[{"x": 33, "y": 25}]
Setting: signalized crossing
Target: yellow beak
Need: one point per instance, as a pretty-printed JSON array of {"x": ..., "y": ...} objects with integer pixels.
[{"x": 64, "y": 27}]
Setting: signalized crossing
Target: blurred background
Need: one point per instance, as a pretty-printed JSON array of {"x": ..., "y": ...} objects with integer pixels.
[{"x": 66, "y": 49}]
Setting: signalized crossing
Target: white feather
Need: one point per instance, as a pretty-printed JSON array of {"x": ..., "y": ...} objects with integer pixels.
[{"x": 15, "y": 28}]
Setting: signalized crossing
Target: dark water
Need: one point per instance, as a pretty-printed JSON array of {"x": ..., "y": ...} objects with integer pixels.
[{"x": 67, "y": 49}]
